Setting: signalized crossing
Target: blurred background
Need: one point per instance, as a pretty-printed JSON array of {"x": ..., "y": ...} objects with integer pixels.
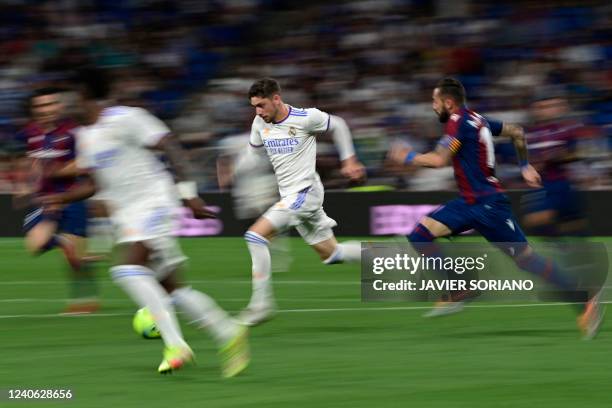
[
  {"x": 372, "y": 62},
  {"x": 375, "y": 63}
]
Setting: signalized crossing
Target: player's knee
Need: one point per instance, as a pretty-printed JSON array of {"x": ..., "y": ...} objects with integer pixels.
[{"x": 420, "y": 234}]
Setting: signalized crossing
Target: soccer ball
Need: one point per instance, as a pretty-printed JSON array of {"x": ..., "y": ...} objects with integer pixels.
[{"x": 144, "y": 325}]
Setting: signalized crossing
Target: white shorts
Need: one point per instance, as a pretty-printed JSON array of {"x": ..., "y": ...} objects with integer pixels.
[
  {"x": 155, "y": 228},
  {"x": 304, "y": 211}
]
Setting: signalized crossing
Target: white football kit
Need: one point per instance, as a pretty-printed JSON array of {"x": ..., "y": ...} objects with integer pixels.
[
  {"x": 138, "y": 190},
  {"x": 291, "y": 146}
]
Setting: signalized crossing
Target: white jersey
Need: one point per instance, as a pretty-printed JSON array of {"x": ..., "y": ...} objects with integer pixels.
[
  {"x": 291, "y": 146},
  {"x": 129, "y": 175}
]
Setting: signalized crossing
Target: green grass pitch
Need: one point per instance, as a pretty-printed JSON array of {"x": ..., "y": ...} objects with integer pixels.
[{"x": 324, "y": 349}]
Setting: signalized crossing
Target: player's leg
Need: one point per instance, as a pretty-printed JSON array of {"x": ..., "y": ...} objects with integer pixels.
[
  {"x": 317, "y": 231},
  {"x": 167, "y": 260},
  {"x": 83, "y": 287},
  {"x": 261, "y": 306},
  {"x": 280, "y": 251},
  {"x": 321, "y": 238},
  {"x": 204, "y": 313},
  {"x": 555, "y": 210},
  {"x": 41, "y": 234},
  {"x": 40, "y": 237},
  {"x": 539, "y": 213},
  {"x": 139, "y": 282},
  {"x": 495, "y": 221},
  {"x": 499, "y": 226},
  {"x": 72, "y": 224},
  {"x": 315, "y": 227},
  {"x": 448, "y": 219},
  {"x": 451, "y": 218}
]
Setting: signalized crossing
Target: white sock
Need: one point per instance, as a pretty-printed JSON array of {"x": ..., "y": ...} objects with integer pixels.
[
  {"x": 348, "y": 251},
  {"x": 138, "y": 282},
  {"x": 204, "y": 312},
  {"x": 261, "y": 271}
]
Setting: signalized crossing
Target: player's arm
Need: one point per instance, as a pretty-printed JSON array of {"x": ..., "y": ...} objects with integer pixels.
[
  {"x": 82, "y": 191},
  {"x": 249, "y": 159},
  {"x": 70, "y": 170},
  {"x": 147, "y": 131},
  {"x": 341, "y": 135},
  {"x": 254, "y": 154},
  {"x": 516, "y": 133},
  {"x": 188, "y": 189},
  {"x": 404, "y": 155},
  {"x": 85, "y": 188}
]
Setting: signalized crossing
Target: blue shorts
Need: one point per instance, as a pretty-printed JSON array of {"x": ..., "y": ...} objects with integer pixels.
[
  {"x": 72, "y": 219},
  {"x": 491, "y": 216},
  {"x": 558, "y": 196}
]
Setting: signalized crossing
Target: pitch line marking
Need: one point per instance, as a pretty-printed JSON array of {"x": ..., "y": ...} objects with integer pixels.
[{"x": 348, "y": 309}]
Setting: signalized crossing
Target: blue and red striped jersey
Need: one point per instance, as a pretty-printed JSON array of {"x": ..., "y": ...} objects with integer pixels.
[
  {"x": 549, "y": 146},
  {"x": 52, "y": 150},
  {"x": 469, "y": 138}
]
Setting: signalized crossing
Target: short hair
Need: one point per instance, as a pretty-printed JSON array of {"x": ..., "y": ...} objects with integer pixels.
[
  {"x": 264, "y": 88},
  {"x": 26, "y": 105},
  {"x": 48, "y": 90},
  {"x": 453, "y": 88},
  {"x": 94, "y": 83}
]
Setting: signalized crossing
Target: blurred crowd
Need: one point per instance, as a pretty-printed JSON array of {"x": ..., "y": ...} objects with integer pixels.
[{"x": 373, "y": 62}]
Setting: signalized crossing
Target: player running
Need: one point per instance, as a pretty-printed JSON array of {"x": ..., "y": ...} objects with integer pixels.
[
  {"x": 115, "y": 147},
  {"x": 50, "y": 147},
  {"x": 287, "y": 136},
  {"x": 483, "y": 206},
  {"x": 556, "y": 209}
]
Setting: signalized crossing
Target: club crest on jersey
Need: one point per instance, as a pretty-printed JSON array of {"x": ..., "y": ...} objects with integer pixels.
[
  {"x": 454, "y": 117},
  {"x": 292, "y": 131}
]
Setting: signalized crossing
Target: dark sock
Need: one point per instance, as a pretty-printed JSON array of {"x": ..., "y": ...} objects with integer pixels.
[{"x": 549, "y": 271}]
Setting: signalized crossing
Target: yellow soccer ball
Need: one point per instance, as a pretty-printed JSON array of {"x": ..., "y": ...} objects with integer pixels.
[{"x": 144, "y": 325}]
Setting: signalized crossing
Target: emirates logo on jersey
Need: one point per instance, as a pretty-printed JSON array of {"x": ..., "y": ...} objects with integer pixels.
[{"x": 280, "y": 146}]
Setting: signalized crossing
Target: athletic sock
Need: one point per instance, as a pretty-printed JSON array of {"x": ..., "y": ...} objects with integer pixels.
[
  {"x": 348, "y": 251},
  {"x": 548, "y": 270},
  {"x": 204, "y": 312},
  {"x": 138, "y": 282},
  {"x": 262, "y": 295}
]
